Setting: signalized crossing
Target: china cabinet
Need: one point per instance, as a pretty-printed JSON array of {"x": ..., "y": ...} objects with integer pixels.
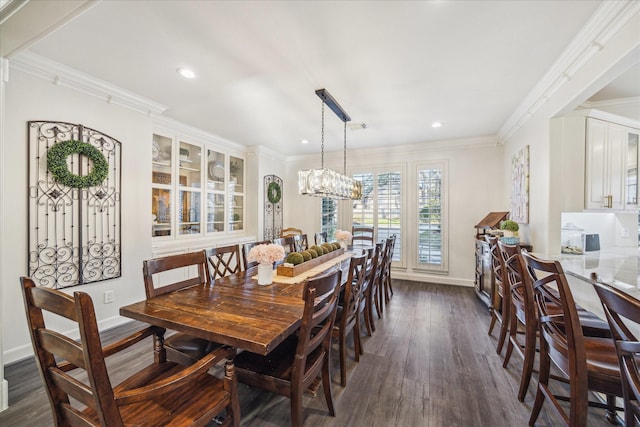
[{"x": 197, "y": 189}]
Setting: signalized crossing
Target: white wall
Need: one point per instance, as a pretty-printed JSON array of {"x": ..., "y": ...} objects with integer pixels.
[
  {"x": 31, "y": 98},
  {"x": 476, "y": 187},
  {"x": 547, "y": 167}
]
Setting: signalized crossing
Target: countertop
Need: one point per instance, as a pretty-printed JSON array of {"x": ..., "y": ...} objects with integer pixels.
[{"x": 618, "y": 267}]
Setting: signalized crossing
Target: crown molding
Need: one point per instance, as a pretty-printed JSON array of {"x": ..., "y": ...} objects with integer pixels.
[
  {"x": 62, "y": 75},
  {"x": 610, "y": 17},
  {"x": 168, "y": 125},
  {"x": 633, "y": 100}
]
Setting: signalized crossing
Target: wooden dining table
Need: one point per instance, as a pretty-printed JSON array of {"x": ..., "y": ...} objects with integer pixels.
[{"x": 233, "y": 310}]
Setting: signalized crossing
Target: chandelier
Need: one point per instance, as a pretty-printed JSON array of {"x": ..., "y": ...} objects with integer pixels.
[{"x": 326, "y": 182}]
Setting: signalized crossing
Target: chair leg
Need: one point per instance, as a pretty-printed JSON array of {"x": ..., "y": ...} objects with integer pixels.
[
  {"x": 231, "y": 386},
  {"x": 543, "y": 382},
  {"x": 368, "y": 319},
  {"x": 493, "y": 320},
  {"x": 297, "y": 418},
  {"x": 357, "y": 344},
  {"x": 376, "y": 300},
  {"x": 610, "y": 414},
  {"x": 326, "y": 385},
  {"x": 504, "y": 326},
  {"x": 343, "y": 359},
  {"x": 529, "y": 358},
  {"x": 513, "y": 332}
]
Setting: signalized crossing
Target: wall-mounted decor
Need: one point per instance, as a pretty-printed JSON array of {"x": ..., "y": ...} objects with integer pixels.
[
  {"x": 272, "y": 207},
  {"x": 74, "y": 205},
  {"x": 520, "y": 186}
]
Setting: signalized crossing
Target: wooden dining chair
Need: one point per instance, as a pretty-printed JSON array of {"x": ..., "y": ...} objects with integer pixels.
[
  {"x": 388, "y": 288},
  {"x": 623, "y": 312},
  {"x": 320, "y": 238},
  {"x": 79, "y": 387},
  {"x": 369, "y": 288},
  {"x": 170, "y": 273},
  {"x": 223, "y": 261},
  {"x": 523, "y": 324},
  {"x": 301, "y": 242},
  {"x": 293, "y": 365},
  {"x": 362, "y": 235},
  {"x": 288, "y": 243},
  {"x": 245, "y": 253},
  {"x": 291, "y": 231},
  {"x": 348, "y": 317},
  {"x": 586, "y": 363},
  {"x": 501, "y": 298}
]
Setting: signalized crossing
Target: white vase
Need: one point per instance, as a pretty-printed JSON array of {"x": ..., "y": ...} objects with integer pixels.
[
  {"x": 265, "y": 273},
  {"x": 343, "y": 243}
]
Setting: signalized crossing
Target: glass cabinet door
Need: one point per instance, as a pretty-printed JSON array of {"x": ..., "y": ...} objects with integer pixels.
[
  {"x": 161, "y": 161},
  {"x": 631, "y": 183},
  {"x": 236, "y": 194},
  {"x": 236, "y": 213}
]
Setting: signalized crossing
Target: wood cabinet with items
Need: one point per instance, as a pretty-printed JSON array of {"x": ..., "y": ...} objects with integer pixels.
[
  {"x": 196, "y": 189},
  {"x": 485, "y": 281}
]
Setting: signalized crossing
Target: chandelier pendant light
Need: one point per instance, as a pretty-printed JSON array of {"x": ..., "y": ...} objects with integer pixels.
[{"x": 326, "y": 182}]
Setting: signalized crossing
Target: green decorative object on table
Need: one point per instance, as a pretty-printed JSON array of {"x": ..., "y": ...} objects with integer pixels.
[
  {"x": 295, "y": 258},
  {"x": 57, "y": 164},
  {"x": 510, "y": 230},
  {"x": 319, "y": 250},
  {"x": 306, "y": 255}
]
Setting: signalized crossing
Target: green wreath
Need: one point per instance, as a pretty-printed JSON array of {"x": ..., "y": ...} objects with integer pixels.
[
  {"x": 274, "y": 192},
  {"x": 57, "y": 164}
]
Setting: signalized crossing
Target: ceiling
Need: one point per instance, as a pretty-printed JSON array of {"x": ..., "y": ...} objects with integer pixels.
[{"x": 396, "y": 66}]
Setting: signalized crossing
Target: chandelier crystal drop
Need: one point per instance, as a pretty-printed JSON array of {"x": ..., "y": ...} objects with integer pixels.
[{"x": 326, "y": 182}]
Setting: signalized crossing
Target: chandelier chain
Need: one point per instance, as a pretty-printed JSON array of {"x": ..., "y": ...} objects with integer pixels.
[
  {"x": 322, "y": 139},
  {"x": 344, "y": 170}
]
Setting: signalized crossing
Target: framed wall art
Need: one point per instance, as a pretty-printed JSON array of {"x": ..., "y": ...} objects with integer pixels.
[{"x": 520, "y": 186}]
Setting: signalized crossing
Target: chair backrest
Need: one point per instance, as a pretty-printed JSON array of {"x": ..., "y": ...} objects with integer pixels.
[
  {"x": 560, "y": 333},
  {"x": 353, "y": 290},
  {"x": 514, "y": 271},
  {"x": 320, "y": 238},
  {"x": 192, "y": 264},
  {"x": 288, "y": 243},
  {"x": 224, "y": 260},
  {"x": 245, "y": 253},
  {"x": 362, "y": 235},
  {"x": 291, "y": 231},
  {"x": 497, "y": 264},
  {"x": 96, "y": 392},
  {"x": 622, "y": 312},
  {"x": 301, "y": 242},
  {"x": 320, "y": 305}
]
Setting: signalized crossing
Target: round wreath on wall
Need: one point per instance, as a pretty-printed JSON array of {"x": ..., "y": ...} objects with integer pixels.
[
  {"x": 57, "y": 164},
  {"x": 274, "y": 192}
]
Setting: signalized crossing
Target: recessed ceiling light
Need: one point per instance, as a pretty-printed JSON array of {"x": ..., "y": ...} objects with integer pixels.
[
  {"x": 436, "y": 124},
  {"x": 186, "y": 73},
  {"x": 304, "y": 141}
]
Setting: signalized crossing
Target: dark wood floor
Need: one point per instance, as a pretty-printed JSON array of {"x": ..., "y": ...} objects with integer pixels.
[{"x": 429, "y": 363}]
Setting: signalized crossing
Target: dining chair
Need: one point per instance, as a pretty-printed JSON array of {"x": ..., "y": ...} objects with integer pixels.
[
  {"x": 623, "y": 313},
  {"x": 362, "y": 235},
  {"x": 294, "y": 364},
  {"x": 348, "y": 316},
  {"x": 79, "y": 386},
  {"x": 369, "y": 287},
  {"x": 223, "y": 261},
  {"x": 170, "y": 273},
  {"x": 301, "y": 242},
  {"x": 291, "y": 231},
  {"x": 320, "y": 238},
  {"x": 586, "y": 363},
  {"x": 245, "y": 253},
  {"x": 523, "y": 324},
  {"x": 388, "y": 288},
  {"x": 501, "y": 298},
  {"x": 288, "y": 243}
]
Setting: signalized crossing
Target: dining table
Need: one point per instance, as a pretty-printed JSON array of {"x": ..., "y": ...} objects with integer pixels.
[{"x": 234, "y": 310}]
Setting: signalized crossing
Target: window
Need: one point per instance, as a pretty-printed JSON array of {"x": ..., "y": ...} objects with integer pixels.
[
  {"x": 431, "y": 214},
  {"x": 329, "y": 217},
  {"x": 381, "y": 205}
]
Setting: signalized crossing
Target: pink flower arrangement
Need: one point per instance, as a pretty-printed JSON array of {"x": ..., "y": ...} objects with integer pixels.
[
  {"x": 343, "y": 235},
  {"x": 267, "y": 253}
]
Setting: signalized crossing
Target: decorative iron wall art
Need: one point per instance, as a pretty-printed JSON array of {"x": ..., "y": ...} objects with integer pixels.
[
  {"x": 272, "y": 207},
  {"x": 74, "y": 204},
  {"x": 520, "y": 186}
]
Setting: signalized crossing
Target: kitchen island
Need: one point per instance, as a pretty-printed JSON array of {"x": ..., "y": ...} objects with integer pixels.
[{"x": 617, "y": 267}]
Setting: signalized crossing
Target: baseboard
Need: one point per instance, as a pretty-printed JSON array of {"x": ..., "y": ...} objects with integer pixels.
[
  {"x": 25, "y": 351},
  {"x": 432, "y": 278},
  {"x": 4, "y": 395}
]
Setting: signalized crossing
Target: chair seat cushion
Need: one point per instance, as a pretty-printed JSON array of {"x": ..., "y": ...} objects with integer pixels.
[
  {"x": 195, "y": 348},
  {"x": 276, "y": 364}
]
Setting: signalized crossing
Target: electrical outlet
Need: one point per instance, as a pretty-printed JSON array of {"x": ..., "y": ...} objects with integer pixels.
[{"x": 108, "y": 297}]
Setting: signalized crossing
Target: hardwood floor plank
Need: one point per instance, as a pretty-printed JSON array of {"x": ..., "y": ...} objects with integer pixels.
[{"x": 430, "y": 363}]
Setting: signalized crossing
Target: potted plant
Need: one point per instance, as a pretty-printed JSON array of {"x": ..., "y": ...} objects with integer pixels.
[{"x": 509, "y": 228}]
